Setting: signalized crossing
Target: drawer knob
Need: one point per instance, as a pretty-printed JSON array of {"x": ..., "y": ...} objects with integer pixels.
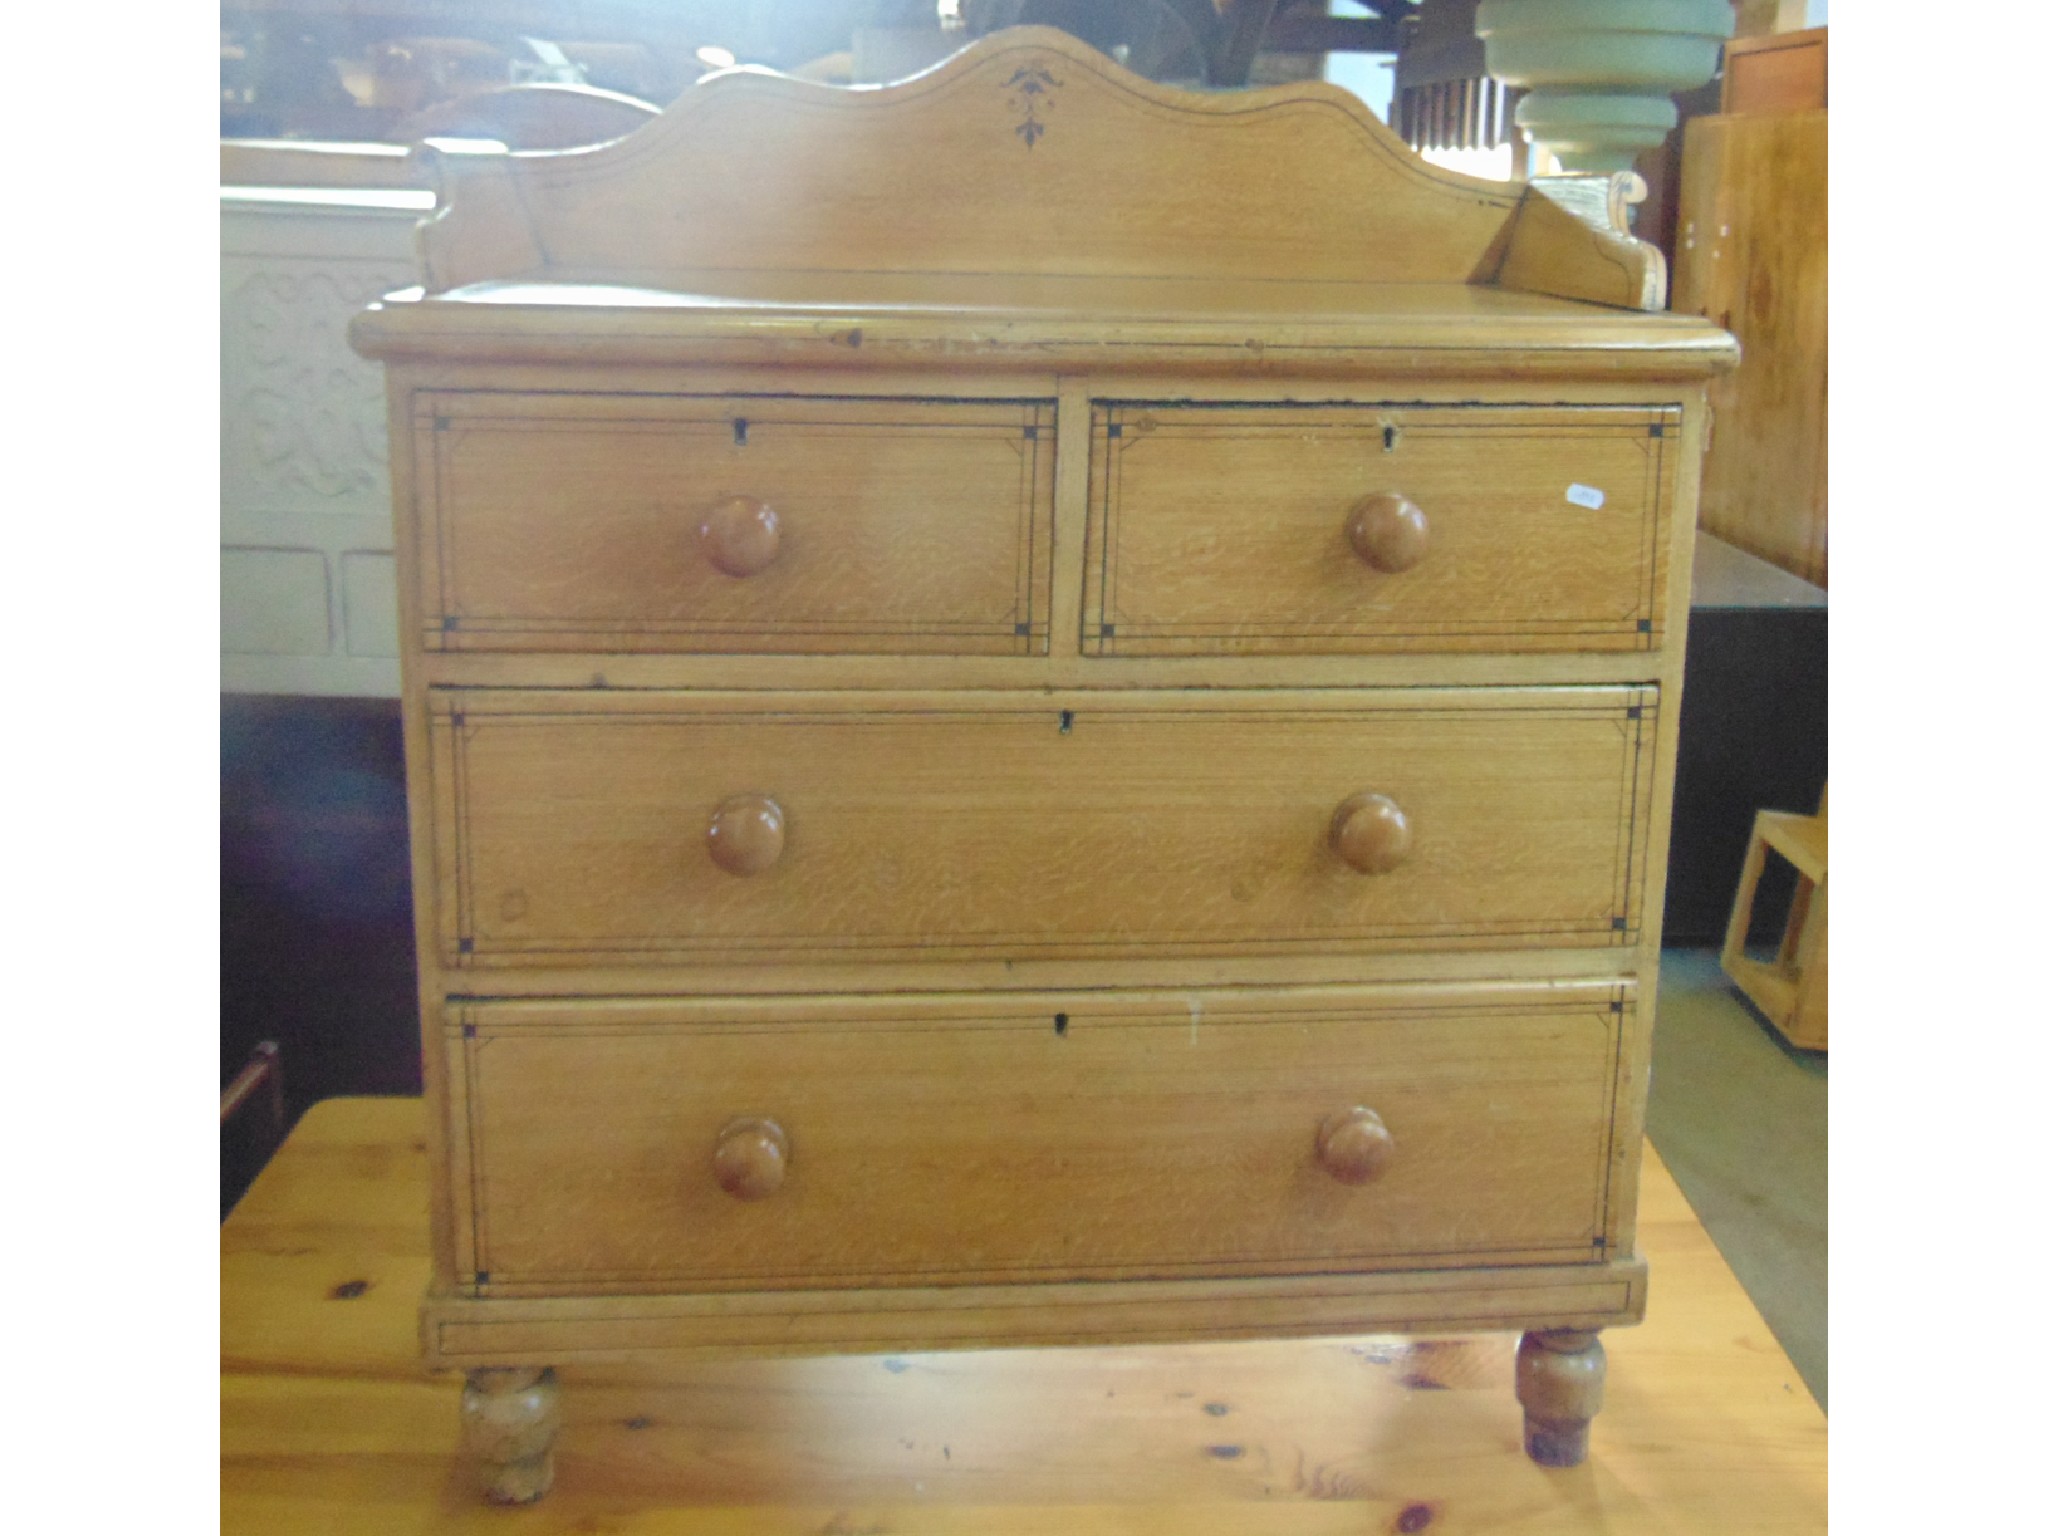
[
  {"x": 1371, "y": 834},
  {"x": 745, "y": 834},
  {"x": 1354, "y": 1145},
  {"x": 741, "y": 536},
  {"x": 751, "y": 1159},
  {"x": 1389, "y": 532}
]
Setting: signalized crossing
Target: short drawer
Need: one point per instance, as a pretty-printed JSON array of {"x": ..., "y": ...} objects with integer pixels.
[
  {"x": 658, "y": 523},
  {"x": 938, "y": 1139},
  {"x": 620, "y": 828},
  {"x": 1276, "y": 530}
]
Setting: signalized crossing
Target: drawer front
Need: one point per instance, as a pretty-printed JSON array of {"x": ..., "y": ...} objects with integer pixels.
[
  {"x": 650, "y": 523},
  {"x": 1033, "y": 1137},
  {"x": 1297, "y": 530},
  {"x": 606, "y": 828}
]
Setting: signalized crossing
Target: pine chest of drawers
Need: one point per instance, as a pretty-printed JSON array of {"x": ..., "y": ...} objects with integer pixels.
[{"x": 1039, "y": 711}]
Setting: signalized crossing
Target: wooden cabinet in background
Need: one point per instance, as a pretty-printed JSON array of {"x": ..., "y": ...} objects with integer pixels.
[
  {"x": 1752, "y": 256},
  {"x": 1039, "y": 711},
  {"x": 1776, "y": 73}
]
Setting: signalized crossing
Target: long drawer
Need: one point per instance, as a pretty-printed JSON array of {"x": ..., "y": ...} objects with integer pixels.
[
  {"x": 1296, "y": 529},
  {"x": 903, "y": 1140},
  {"x": 591, "y": 828},
  {"x": 733, "y": 523}
]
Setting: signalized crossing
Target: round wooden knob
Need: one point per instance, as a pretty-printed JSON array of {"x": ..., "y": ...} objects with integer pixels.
[
  {"x": 1354, "y": 1145},
  {"x": 1389, "y": 532},
  {"x": 751, "y": 1159},
  {"x": 745, "y": 834},
  {"x": 740, "y": 536},
  {"x": 1371, "y": 834}
]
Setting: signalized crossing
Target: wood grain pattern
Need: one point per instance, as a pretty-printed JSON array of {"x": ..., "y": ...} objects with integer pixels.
[
  {"x": 1571, "y": 239},
  {"x": 1629, "y": 1127},
  {"x": 444, "y": 1135},
  {"x": 1791, "y": 990},
  {"x": 1219, "y": 530},
  {"x": 1061, "y": 229},
  {"x": 785, "y": 175},
  {"x": 1400, "y": 371},
  {"x": 1560, "y": 1381},
  {"x": 328, "y": 1420},
  {"x": 1243, "y": 329},
  {"x": 709, "y": 1325},
  {"x": 1066, "y": 669},
  {"x": 1753, "y": 257},
  {"x": 571, "y": 825},
  {"x": 742, "y": 974},
  {"x": 774, "y": 1089},
  {"x": 570, "y": 522},
  {"x": 510, "y": 1417},
  {"x": 1047, "y": 1138},
  {"x": 1776, "y": 72}
]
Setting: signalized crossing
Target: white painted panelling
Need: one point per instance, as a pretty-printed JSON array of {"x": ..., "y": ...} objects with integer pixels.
[
  {"x": 274, "y": 602},
  {"x": 304, "y": 461},
  {"x": 369, "y": 604},
  {"x": 342, "y": 677}
]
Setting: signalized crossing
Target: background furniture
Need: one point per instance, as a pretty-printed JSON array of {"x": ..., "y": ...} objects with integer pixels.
[
  {"x": 1753, "y": 732},
  {"x": 327, "y": 1418},
  {"x": 1775, "y": 73},
  {"x": 541, "y": 115},
  {"x": 316, "y": 921},
  {"x": 1791, "y": 989},
  {"x": 958, "y": 800},
  {"x": 253, "y": 1121},
  {"x": 1752, "y": 255}
]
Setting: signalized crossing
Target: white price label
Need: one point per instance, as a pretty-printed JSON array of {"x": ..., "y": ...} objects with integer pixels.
[{"x": 1590, "y": 497}]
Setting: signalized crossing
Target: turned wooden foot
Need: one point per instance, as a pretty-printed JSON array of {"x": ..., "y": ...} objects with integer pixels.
[
  {"x": 1559, "y": 1374},
  {"x": 509, "y": 1419}
]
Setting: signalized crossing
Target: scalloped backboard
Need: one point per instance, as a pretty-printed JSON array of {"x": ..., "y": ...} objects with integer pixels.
[{"x": 1026, "y": 153}]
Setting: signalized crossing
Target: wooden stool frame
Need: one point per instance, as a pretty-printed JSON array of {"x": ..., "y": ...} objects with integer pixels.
[{"x": 1790, "y": 990}]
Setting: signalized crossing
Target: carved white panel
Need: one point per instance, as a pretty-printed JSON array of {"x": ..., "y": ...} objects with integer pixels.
[
  {"x": 304, "y": 457},
  {"x": 303, "y": 417}
]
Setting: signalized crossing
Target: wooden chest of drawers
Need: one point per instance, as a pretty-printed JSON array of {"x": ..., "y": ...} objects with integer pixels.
[{"x": 1070, "y": 744}]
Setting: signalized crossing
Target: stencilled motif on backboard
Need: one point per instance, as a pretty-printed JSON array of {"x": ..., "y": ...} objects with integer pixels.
[{"x": 1032, "y": 85}]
